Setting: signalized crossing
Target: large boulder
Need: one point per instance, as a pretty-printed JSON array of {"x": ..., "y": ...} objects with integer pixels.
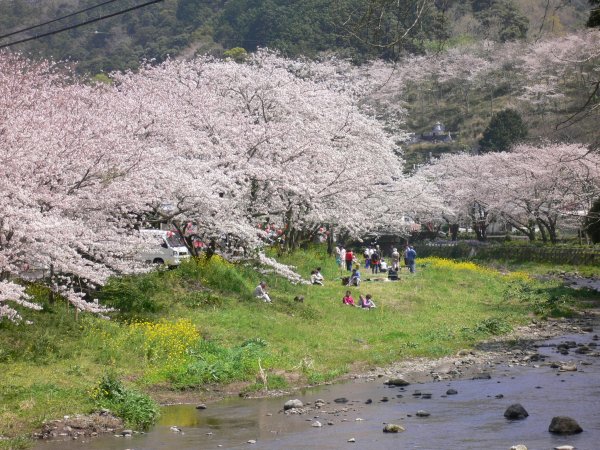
[
  {"x": 290, "y": 404},
  {"x": 392, "y": 428},
  {"x": 564, "y": 425},
  {"x": 397, "y": 382},
  {"x": 515, "y": 412}
]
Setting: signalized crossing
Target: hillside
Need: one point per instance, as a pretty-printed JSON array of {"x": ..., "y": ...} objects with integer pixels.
[{"x": 188, "y": 27}]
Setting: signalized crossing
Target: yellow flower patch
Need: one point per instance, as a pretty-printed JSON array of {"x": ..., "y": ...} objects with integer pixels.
[{"x": 444, "y": 263}]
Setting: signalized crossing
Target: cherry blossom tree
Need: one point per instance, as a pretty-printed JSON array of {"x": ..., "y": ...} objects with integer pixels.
[
  {"x": 268, "y": 141},
  {"x": 531, "y": 188},
  {"x": 64, "y": 158}
]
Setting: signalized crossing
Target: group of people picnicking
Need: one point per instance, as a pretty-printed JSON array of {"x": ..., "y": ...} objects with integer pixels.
[
  {"x": 346, "y": 258},
  {"x": 365, "y": 302},
  {"x": 374, "y": 260}
]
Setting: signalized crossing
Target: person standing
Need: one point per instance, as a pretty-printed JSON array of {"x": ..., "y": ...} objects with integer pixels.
[
  {"x": 375, "y": 258},
  {"x": 395, "y": 259},
  {"x": 367, "y": 256},
  {"x": 342, "y": 257},
  {"x": 349, "y": 259},
  {"x": 410, "y": 256}
]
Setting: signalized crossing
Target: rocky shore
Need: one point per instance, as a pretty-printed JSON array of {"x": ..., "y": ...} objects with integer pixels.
[{"x": 518, "y": 348}]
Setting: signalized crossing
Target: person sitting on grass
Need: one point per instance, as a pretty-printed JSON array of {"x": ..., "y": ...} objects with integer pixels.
[
  {"x": 366, "y": 302},
  {"x": 348, "y": 300},
  {"x": 314, "y": 279},
  {"x": 319, "y": 276},
  {"x": 354, "y": 278},
  {"x": 261, "y": 292}
]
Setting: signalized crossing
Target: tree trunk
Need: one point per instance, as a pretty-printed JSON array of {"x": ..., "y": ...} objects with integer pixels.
[
  {"x": 330, "y": 246},
  {"x": 51, "y": 298},
  {"x": 542, "y": 228},
  {"x": 454, "y": 231}
]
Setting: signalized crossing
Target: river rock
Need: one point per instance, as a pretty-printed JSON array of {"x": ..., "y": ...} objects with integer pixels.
[
  {"x": 175, "y": 429},
  {"x": 392, "y": 428},
  {"x": 341, "y": 400},
  {"x": 451, "y": 392},
  {"x": 482, "y": 376},
  {"x": 251, "y": 441},
  {"x": 290, "y": 404},
  {"x": 317, "y": 424},
  {"x": 515, "y": 412},
  {"x": 564, "y": 447},
  {"x": 518, "y": 447},
  {"x": 446, "y": 369},
  {"x": 351, "y": 440},
  {"x": 564, "y": 425},
  {"x": 568, "y": 368},
  {"x": 422, "y": 413},
  {"x": 127, "y": 432},
  {"x": 201, "y": 406},
  {"x": 397, "y": 382}
]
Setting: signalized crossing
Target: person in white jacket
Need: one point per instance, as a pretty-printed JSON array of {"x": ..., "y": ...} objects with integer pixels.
[{"x": 261, "y": 292}]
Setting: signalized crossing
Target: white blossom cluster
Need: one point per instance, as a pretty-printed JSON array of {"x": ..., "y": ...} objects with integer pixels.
[{"x": 282, "y": 269}]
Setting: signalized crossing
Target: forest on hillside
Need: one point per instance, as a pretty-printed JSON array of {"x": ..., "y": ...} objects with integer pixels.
[{"x": 355, "y": 29}]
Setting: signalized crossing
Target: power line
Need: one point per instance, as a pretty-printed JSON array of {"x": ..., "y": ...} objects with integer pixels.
[
  {"x": 22, "y": 30},
  {"x": 97, "y": 19}
]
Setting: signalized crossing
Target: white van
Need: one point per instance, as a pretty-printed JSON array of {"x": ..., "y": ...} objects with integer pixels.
[{"x": 169, "y": 248}]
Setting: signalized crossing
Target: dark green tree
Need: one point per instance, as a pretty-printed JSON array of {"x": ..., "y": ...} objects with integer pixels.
[
  {"x": 504, "y": 131},
  {"x": 501, "y": 19},
  {"x": 591, "y": 225},
  {"x": 594, "y": 19}
]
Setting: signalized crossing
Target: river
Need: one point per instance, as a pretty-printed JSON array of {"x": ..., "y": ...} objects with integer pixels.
[{"x": 471, "y": 419}]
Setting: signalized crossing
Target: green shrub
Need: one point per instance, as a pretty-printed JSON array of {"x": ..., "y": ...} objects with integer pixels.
[
  {"x": 133, "y": 294},
  {"x": 211, "y": 363},
  {"x": 135, "y": 408},
  {"x": 493, "y": 325},
  {"x": 223, "y": 275}
]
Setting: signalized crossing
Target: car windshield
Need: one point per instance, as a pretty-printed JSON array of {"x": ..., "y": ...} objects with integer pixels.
[{"x": 175, "y": 240}]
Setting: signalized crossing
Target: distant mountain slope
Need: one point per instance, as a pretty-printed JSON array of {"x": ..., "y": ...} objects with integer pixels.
[{"x": 308, "y": 27}]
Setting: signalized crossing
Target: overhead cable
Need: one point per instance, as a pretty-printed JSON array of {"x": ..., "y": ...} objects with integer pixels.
[
  {"x": 22, "y": 30},
  {"x": 71, "y": 27}
]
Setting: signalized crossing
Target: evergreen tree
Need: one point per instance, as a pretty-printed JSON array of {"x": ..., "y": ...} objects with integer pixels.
[{"x": 504, "y": 131}]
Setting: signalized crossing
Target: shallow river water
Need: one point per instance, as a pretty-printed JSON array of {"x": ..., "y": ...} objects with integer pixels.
[{"x": 471, "y": 419}]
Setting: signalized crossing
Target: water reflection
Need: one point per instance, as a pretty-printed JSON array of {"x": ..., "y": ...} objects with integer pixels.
[{"x": 472, "y": 419}]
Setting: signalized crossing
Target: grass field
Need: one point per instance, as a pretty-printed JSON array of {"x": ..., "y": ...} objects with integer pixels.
[{"x": 199, "y": 326}]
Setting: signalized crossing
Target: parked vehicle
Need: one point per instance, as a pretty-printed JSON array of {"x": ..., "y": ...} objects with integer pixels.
[{"x": 169, "y": 249}]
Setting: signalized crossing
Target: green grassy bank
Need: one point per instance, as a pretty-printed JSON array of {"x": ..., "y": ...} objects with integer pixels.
[{"x": 199, "y": 326}]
